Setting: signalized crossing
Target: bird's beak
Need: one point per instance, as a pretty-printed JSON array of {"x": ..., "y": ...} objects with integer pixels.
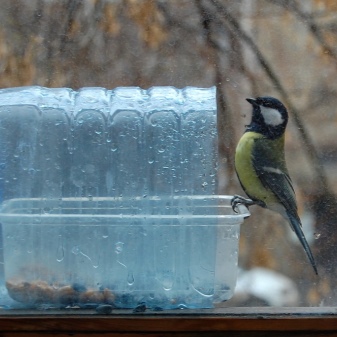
[{"x": 252, "y": 101}]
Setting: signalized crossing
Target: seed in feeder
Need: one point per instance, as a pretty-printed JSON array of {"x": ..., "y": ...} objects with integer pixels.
[
  {"x": 79, "y": 287},
  {"x": 19, "y": 291},
  {"x": 67, "y": 295},
  {"x": 104, "y": 309},
  {"x": 91, "y": 296},
  {"x": 141, "y": 307},
  {"x": 109, "y": 297},
  {"x": 41, "y": 292}
]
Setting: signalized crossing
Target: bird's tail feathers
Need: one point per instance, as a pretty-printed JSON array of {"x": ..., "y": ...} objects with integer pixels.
[{"x": 297, "y": 228}]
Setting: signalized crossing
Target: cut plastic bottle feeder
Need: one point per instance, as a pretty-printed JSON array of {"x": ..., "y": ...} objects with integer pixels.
[{"x": 110, "y": 197}]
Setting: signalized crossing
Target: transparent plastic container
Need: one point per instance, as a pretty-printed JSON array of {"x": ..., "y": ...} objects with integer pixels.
[
  {"x": 108, "y": 196},
  {"x": 167, "y": 253}
]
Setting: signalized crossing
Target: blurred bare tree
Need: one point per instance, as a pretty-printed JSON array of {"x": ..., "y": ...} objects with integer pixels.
[{"x": 246, "y": 48}]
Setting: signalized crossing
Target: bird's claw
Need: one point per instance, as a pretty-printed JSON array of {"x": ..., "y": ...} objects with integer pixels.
[{"x": 237, "y": 199}]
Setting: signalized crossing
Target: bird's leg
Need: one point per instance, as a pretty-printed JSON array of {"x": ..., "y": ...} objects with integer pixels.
[{"x": 237, "y": 199}]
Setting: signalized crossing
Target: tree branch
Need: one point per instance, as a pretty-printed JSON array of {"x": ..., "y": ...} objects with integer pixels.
[
  {"x": 225, "y": 122},
  {"x": 291, "y": 6}
]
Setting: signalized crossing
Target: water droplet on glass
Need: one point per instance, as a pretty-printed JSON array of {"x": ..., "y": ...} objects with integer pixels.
[
  {"x": 76, "y": 250},
  {"x": 167, "y": 286},
  {"x": 31, "y": 171},
  {"x": 90, "y": 197},
  {"x": 161, "y": 149},
  {"x": 46, "y": 210},
  {"x": 130, "y": 279},
  {"x": 105, "y": 236},
  {"x": 150, "y": 161},
  {"x": 119, "y": 247},
  {"x": 60, "y": 253},
  {"x": 317, "y": 236}
]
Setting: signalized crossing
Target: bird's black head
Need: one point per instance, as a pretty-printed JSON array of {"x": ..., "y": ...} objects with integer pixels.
[{"x": 270, "y": 117}]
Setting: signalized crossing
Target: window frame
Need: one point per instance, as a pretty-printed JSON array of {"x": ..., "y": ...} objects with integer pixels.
[{"x": 253, "y": 321}]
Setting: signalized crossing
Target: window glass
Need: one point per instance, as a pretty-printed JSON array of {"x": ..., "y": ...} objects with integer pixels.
[{"x": 280, "y": 48}]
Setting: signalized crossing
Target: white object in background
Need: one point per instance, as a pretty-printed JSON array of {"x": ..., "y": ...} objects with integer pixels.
[{"x": 274, "y": 288}]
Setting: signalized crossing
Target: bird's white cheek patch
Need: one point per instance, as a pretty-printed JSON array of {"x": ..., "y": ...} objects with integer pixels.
[{"x": 271, "y": 116}]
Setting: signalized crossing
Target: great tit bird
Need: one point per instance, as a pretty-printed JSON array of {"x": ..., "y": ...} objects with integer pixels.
[{"x": 261, "y": 167}]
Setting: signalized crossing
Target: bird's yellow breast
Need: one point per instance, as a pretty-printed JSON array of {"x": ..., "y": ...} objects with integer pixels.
[{"x": 246, "y": 172}]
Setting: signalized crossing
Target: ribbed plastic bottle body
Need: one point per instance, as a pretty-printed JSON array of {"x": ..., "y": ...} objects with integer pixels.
[{"x": 95, "y": 142}]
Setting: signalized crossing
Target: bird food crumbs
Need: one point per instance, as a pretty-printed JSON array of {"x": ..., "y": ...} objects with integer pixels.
[
  {"x": 141, "y": 307},
  {"x": 40, "y": 292},
  {"x": 104, "y": 309}
]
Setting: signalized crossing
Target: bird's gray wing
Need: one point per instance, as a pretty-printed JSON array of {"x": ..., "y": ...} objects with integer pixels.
[
  {"x": 269, "y": 164},
  {"x": 271, "y": 169}
]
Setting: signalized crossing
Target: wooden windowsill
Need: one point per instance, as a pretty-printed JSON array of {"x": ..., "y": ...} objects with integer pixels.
[{"x": 234, "y": 321}]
